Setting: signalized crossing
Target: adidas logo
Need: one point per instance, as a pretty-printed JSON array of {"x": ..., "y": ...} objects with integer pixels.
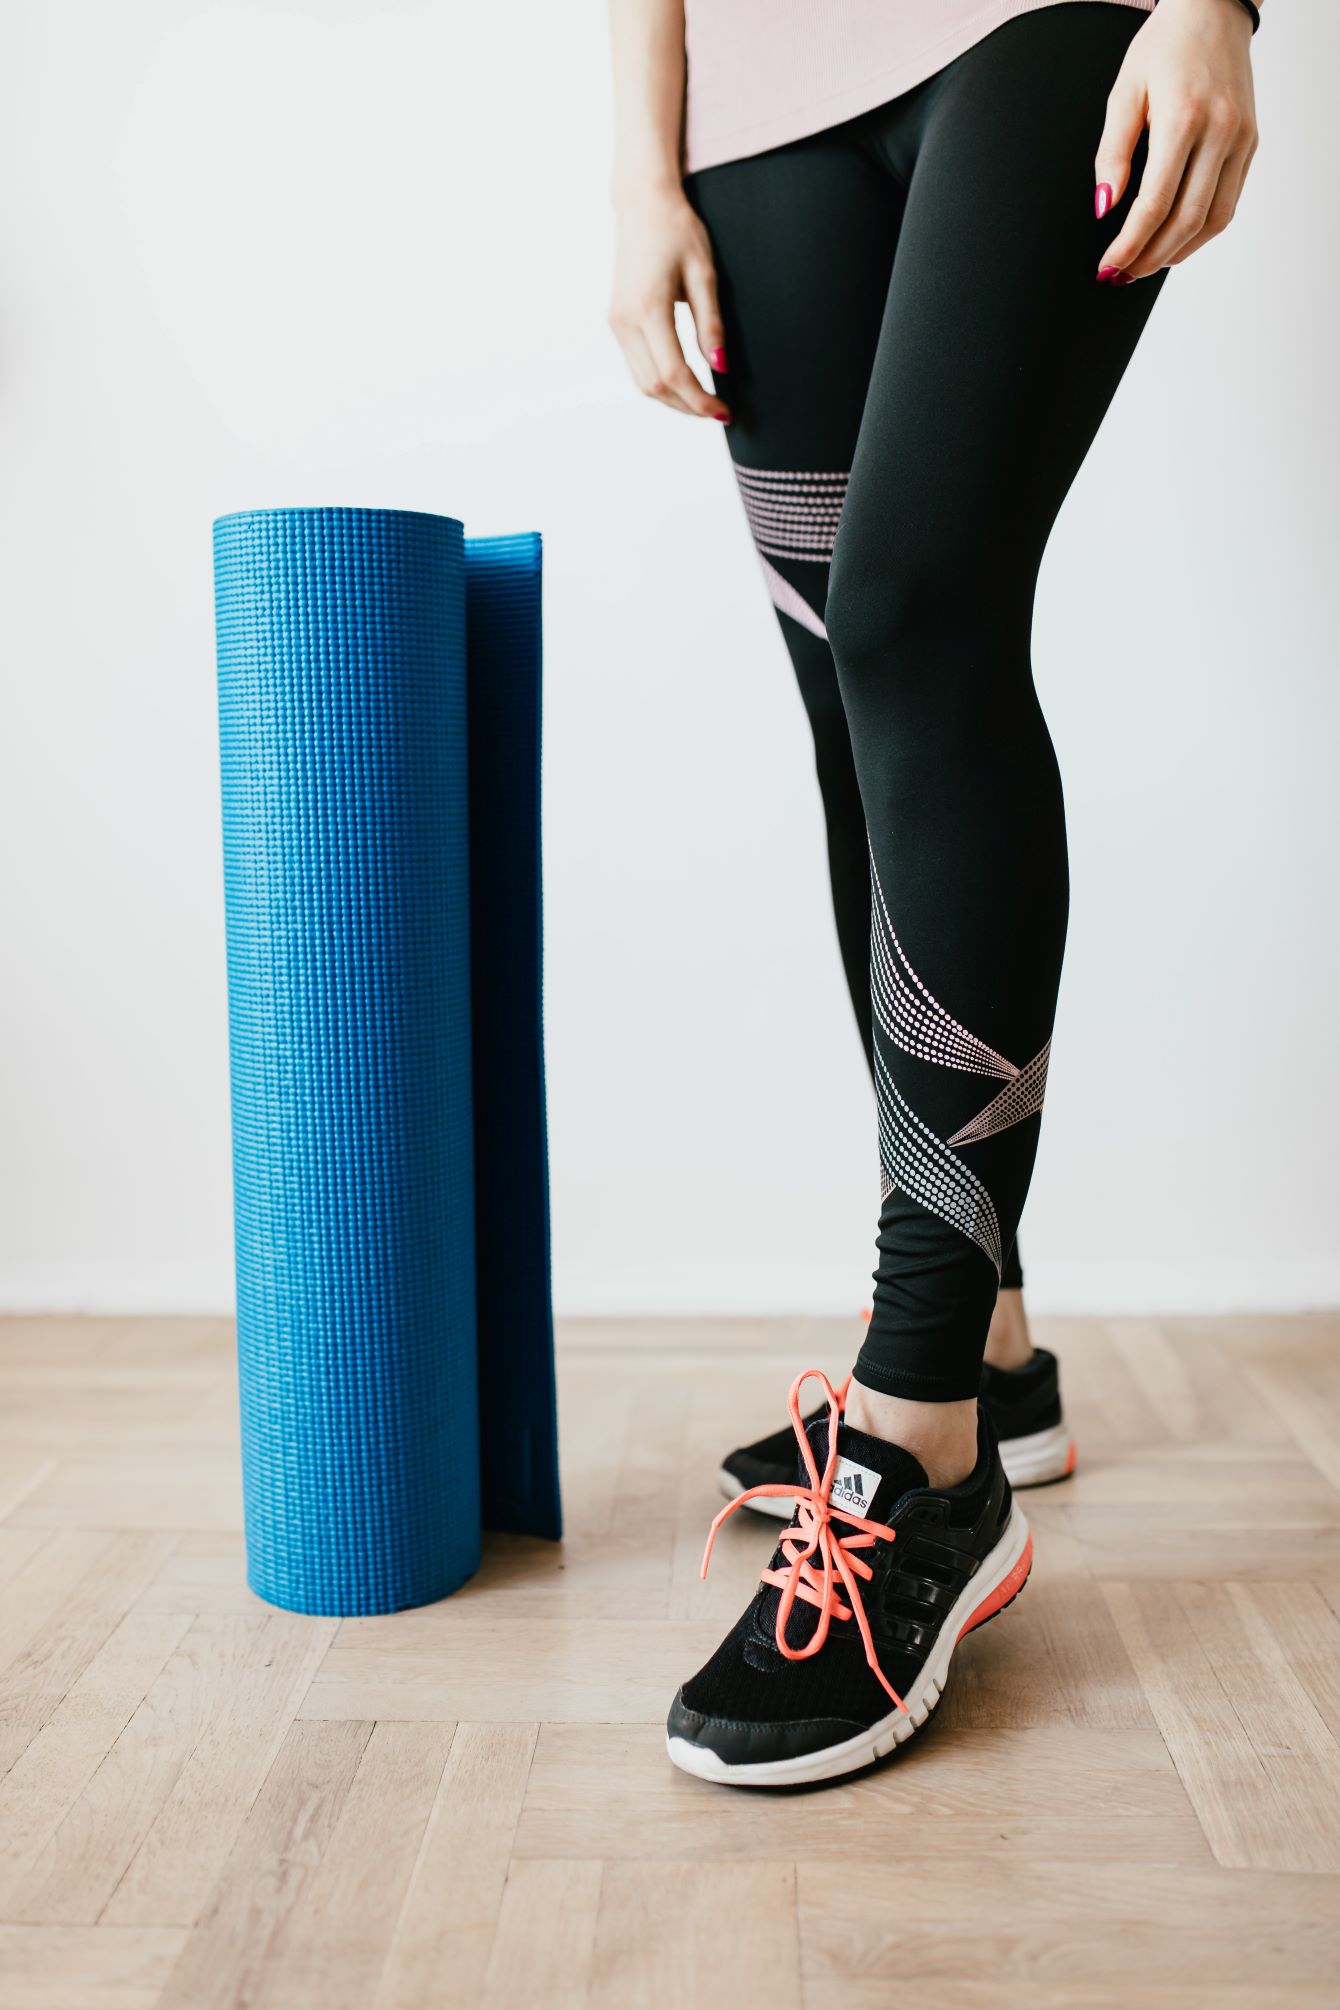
[{"x": 853, "y": 1487}]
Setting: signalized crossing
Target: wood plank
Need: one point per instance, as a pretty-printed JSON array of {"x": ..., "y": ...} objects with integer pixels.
[
  {"x": 106, "y": 1581},
  {"x": 1306, "y": 1631},
  {"x": 226, "y": 1960},
  {"x": 85, "y": 1967},
  {"x": 476, "y": 1660},
  {"x": 333, "y": 1945},
  {"x": 1065, "y": 1932},
  {"x": 1295, "y": 1541},
  {"x": 944, "y": 1796},
  {"x": 18, "y": 1547},
  {"x": 696, "y": 1935},
  {"x": 1313, "y": 1425},
  {"x": 48, "y": 1777},
  {"x": 163, "y": 1492},
  {"x": 1055, "y": 1657},
  {"x": 543, "y": 1949},
  {"x": 206, "y": 1572},
  {"x": 444, "y": 1936},
  {"x": 22, "y": 1472},
  {"x": 221, "y": 1723},
  {"x": 1260, "y": 1810},
  {"x": 54, "y": 1568}
]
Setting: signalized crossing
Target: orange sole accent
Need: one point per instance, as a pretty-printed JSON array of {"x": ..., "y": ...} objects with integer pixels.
[
  {"x": 1070, "y": 1462},
  {"x": 1008, "y": 1588}
]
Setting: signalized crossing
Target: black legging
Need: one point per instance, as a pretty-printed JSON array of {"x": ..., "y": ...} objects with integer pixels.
[{"x": 919, "y": 357}]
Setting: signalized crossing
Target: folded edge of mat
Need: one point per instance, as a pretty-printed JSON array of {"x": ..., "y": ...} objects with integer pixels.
[{"x": 518, "y": 1417}]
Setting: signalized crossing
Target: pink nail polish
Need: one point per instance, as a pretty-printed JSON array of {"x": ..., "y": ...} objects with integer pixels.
[
  {"x": 1110, "y": 275},
  {"x": 1102, "y": 200},
  {"x": 723, "y": 416},
  {"x": 717, "y": 358}
]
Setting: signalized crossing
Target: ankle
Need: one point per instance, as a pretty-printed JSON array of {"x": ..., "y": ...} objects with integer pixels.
[
  {"x": 1008, "y": 1342},
  {"x": 942, "y": 1436}
]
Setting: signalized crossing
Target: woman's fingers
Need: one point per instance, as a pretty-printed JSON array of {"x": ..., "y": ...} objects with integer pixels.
[
  {"x": 1121, "y": 135},
  {"x": 1171, "y": 138},
  {"x": 672, "y": 372},
  {"x": 700, "y": 283},
  {"x": 1225, "y": 203},
  {"x": 1196, "y": 199},
  {"x": 664, "y": 255},
  {"x": 642, "y": 368}
]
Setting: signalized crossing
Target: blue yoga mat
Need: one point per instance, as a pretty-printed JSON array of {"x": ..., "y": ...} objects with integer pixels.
[{"x": 355, "y": 749}]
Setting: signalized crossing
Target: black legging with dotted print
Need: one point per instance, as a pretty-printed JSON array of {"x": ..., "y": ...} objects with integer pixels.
[{"x": 919, "y": 358}]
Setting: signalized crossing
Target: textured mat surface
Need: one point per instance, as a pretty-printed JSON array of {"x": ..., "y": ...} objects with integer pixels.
[
  {"x": 518, "y": 1439},
  {"x": 343, "y": 678}
]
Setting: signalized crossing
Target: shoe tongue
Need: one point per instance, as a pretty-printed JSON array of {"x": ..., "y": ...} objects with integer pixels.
[{"x": 871, "y": 1475}]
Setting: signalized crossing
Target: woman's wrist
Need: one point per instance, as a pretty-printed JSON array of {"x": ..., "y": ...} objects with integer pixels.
[
  {"x": 1232, "y": 9},
  {"x": 646, "y": 185}
]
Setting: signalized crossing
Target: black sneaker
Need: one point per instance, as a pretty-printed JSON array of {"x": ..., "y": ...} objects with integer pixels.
[
  {"x": 1024, "y": 1405},
  {"x": 844, "y": 1650}
]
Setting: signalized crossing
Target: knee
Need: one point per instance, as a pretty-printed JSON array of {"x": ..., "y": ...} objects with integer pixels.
[
  {"x": 924, "y": 627},
  {"x": 878, "y": 612}
]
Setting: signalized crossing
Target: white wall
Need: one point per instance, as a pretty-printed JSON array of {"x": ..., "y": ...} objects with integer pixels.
[{"x": 261, "y": 251}]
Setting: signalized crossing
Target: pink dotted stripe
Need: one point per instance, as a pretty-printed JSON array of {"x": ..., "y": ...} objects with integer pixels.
[
  {"x": 793, "y": 515},
  {"x": 915, "y": 1162},
  {"x": 787, "y": 600},
  {"x": 1018, "y": 1099},
  {"x": 908, "y": 1013}
]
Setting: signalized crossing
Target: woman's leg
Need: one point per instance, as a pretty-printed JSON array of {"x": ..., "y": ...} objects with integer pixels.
[
  {"x": 997, "y": 358},
  {"x": 804, "y": 239}
]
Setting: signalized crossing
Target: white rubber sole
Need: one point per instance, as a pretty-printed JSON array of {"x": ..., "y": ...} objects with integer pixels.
[
  {"x": 1033, "y": 1461},
  {"x": 1001, "y": 1578},
  {"x": 1039, "y": 1458}
]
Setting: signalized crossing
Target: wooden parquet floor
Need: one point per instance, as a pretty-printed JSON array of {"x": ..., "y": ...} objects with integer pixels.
[{"x": 1130, "y": 1796}]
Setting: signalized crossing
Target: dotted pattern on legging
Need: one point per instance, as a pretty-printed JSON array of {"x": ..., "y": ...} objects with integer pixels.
[
  {"x": 793, "y": 515},
  {"x": 907, "y": 1012},
  {"x": 915, "y": 1161},
  {"x": 1018, "y": 1099}
]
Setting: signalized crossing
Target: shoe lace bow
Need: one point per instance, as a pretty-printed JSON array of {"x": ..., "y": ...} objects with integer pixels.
[{"x": 818, "y": 1556}]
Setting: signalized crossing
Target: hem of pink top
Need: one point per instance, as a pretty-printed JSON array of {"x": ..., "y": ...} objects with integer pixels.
[{"x": 797, "y": 122}]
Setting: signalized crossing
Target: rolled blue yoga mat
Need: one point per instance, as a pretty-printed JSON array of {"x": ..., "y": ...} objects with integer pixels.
[{"x": 360, "y": 732}]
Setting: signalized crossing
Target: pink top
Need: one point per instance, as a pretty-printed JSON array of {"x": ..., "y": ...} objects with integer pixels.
[{"x": 762, "y": 72}]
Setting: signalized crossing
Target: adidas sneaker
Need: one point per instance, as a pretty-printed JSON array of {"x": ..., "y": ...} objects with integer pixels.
[
  {"x": 845, "y": 1648},
  {"x": 1024, "y": 1405}
]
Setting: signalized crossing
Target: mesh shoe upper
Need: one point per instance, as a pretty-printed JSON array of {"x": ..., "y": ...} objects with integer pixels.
[{"x": 940, "y": 1538}]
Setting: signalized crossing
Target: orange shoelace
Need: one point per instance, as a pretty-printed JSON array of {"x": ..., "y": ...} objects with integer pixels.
[{"x": 817, "y": 1541}]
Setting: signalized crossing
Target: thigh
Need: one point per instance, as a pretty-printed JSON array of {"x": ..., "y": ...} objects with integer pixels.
[
  {"x": 999, "y": 353},
  {"x": 804, "y": 239}
]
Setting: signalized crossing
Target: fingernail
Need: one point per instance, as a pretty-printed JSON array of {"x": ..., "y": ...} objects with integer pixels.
[
  {"x": 1110, "y": 275},
  {"x": 717, "y": 358},
  {"x": 723, "y": 416},
  {"x": 1102, "y": 200}
]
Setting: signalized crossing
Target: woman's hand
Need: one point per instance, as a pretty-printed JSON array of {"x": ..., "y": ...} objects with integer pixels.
[
  {"x": 1188, "y": 77},
  {"x": 665, "y": 255}
]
